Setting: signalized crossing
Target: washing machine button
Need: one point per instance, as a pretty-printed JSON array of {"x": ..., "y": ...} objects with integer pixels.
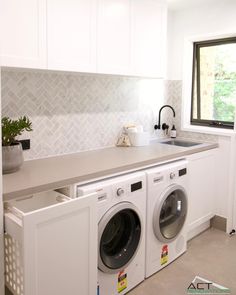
[
  {"x": 172, "y": 175},
  {"x": 120, "y": 191}
]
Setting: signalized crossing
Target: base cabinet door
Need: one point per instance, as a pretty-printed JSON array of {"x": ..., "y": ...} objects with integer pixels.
[
  {"x": 201, "y": 172},
  {"x": 57, "y": 248},
  {"x": 23, "y": 33}
]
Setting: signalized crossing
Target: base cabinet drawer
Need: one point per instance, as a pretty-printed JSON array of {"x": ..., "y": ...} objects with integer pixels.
[{"x": 51, "y": 245}]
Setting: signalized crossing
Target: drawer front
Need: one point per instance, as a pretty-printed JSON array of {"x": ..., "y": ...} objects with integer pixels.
[{"x": 59, "y": 247}]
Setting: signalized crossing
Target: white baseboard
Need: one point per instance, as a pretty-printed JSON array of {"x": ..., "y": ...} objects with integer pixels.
[{"x": 197, "y": 230}]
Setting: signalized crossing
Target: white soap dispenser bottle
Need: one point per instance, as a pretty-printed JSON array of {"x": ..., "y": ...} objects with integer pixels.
[{"x": 173, "y": 132}]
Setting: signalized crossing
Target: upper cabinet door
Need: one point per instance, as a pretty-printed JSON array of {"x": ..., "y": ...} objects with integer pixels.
[
  {"x": 125, "y": 37},
  {"x": 72, "y": 35},
  {"x": 149, "y": 37},
  {"x": 114, "y": 37},
  {"x": 23, "y": 33}
]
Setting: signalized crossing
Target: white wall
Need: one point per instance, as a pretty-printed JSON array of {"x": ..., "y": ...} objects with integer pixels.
[
  {"x": 1, "y": 217},
  {"x": 196, "y": 19},
  {"x": 213, "y": 16}
]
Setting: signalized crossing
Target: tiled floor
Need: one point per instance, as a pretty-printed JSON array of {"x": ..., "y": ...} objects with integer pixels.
[{"x": 212, "y": 256}]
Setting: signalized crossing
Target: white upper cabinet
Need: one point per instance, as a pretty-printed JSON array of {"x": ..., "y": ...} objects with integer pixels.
[
  {"x": 149, "y": 37},
  {"x": 23, "y": 33},
  {"x": 125, "y": 37},
  {"x": 72, "y": 35},
  {"x": 131, "y": 37},
  {"x": 114, "y": 37}
]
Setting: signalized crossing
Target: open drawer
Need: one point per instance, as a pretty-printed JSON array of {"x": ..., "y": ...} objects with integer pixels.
[{"x": 51, "y": 244}]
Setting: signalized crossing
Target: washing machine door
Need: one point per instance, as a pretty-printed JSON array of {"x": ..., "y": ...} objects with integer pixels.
[
  {"x": 119, "y": 236},
  {"x": 170, "y": 213}
]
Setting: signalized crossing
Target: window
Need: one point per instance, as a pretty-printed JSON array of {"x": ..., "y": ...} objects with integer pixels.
[{"x": 214, "y": 83}]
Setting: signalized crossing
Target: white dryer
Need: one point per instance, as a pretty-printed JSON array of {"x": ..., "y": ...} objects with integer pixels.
[
  {"x": 167, "y": 206},
  {"x": 121, "y": 231}
]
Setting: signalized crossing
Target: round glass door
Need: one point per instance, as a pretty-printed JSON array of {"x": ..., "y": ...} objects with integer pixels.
[
  {"x": 170, "y": 214},
  {"x": 119, "y": 237}
]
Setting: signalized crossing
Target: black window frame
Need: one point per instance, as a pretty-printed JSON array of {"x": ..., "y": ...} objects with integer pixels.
[{"x": 196, "y": 71}]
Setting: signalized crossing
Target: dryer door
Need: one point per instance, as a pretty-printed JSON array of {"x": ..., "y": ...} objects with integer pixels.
[
  {"x": 170, "y": 213},
  {"x": 119, "y": 236}
]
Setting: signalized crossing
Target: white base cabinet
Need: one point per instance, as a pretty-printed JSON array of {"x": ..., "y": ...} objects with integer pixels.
[
  {"x": 202, "y": 175},
  {"x": 51, "y": 245}
]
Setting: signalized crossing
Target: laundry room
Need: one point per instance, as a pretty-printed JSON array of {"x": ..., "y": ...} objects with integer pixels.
[{"x": 118, "y": 147}]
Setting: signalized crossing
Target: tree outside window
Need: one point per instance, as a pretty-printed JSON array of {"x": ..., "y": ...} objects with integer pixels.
[{"x": 214, "y": 83}]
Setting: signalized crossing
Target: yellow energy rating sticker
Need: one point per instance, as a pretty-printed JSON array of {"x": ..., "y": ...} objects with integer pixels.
[
  {"x": 122, "y": 281},
  {"x": 164, "y": 255}
]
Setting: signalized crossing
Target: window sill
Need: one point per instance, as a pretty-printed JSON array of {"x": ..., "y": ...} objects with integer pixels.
[{"x": 209, "y": 130}]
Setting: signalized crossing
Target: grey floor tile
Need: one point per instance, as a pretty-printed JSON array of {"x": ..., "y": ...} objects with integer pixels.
[{"x": 211, "y": 255}]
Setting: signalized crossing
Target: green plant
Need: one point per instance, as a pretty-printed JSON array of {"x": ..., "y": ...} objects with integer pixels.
[{"x": 12, "y": 128}]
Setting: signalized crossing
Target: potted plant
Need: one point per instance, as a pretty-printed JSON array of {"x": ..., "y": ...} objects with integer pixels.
[{"x": 12, "y": 154}]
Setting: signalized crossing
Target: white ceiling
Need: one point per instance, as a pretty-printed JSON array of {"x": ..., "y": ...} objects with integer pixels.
[{"x": 184, "y": 4}]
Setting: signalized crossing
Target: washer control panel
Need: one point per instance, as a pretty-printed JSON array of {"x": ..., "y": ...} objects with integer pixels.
[
  {"x": 172, "y": 175},
  {"x": 178, "y": 173},
  {"x": 130, "y": 188},
  {"x": 182, "y": 171},
  {"x": 136, "y": 186},
  {"x": 120, "y": 192}
]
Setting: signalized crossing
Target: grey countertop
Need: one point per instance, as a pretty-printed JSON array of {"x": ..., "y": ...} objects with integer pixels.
[{"x": 55, "y": 172}]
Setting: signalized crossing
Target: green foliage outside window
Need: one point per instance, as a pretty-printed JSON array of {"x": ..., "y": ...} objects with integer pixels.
[{"x": 224, "y": 94}]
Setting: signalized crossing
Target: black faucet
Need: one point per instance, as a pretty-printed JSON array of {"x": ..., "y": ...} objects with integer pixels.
[{"x": 164, "y": 125}]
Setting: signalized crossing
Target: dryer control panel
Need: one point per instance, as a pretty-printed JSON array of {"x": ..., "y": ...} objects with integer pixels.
[{"x": 167, "y": 173}]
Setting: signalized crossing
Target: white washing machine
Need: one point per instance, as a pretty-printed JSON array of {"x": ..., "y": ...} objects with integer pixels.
[
  {"x": 121, "y": 231},
  {"x": 167, "y": 206}
]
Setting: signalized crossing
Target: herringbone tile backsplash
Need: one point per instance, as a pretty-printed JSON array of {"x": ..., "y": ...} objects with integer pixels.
[{"x": 74, "y": 112}]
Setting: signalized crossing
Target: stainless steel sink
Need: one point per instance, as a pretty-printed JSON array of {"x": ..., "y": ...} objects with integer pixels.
[{"x": 183, "y": 143}]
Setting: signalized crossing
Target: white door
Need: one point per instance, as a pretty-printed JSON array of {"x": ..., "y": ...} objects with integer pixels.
[
  {"x": 23, "y": 33},
  {"x": 234, "y": 211},
  {"x": 149, "y": 19},
  {"x": 59, "y": 247},
  {"x": 114, "y": 37},
  {"x": 72, "y": 35},
  {"x": 233, "y": 177}
]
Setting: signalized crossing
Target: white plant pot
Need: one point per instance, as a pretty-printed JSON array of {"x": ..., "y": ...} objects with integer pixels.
[{"x": 12, "y": 158}]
